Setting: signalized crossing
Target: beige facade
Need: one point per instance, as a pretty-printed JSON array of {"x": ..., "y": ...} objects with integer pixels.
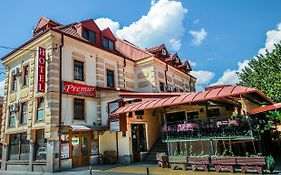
[{"x": 45, "y": 122}]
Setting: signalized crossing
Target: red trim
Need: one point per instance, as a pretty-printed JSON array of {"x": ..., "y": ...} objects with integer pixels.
[{"x": 265, "y": 109}]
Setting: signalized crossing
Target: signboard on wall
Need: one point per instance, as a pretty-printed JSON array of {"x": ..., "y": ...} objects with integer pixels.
[
  {"x": 78, "y": 89},
  {"x": 41, "y": 69},
  {"x": 118, "y": 123},
  {"x": 115, "y": 125}
]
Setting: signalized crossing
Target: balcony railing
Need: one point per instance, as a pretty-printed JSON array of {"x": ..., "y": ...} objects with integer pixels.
[{"x": 216, "y": 128}]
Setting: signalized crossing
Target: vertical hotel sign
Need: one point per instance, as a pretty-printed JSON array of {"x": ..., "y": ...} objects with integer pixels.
[{"x": 41, "y": 69}]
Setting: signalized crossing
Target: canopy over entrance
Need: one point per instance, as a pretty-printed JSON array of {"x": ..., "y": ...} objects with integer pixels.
[{"x": 223, "y": 92}]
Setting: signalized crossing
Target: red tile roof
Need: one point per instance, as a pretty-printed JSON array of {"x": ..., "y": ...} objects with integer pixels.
[
  {"x": 184, "y": 98},
  {"x": 131, "y": 51},
  {"x": 265, "y": 108}
]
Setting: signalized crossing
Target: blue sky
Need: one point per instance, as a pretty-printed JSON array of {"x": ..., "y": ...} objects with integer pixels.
[{"x": 214, "y": 34}]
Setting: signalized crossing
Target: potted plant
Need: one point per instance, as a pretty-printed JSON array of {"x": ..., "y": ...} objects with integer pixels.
[
  {"x": 225, "y": 160},
  {"x": 178, "y": 160},
  {"x": 270, "y": 163},
  {"x": 201, "y": 160},
  {"x": 162, "y": 159},
  {"x": 256, "y": 162}
]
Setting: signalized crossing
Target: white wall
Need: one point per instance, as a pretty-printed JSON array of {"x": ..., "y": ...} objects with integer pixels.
[
  {"x": 68, "y": 65},
  {"x": 67, "y": 111}
]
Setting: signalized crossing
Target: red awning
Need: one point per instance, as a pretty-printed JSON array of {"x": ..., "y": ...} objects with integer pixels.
[
  {"x": 221, "y": 92},
  {"x": 265, "y": 109}
]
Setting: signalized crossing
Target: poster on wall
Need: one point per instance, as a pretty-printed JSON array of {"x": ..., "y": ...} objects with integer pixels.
[
  {"x": 41, "y": 69},
  {"x": 65, "y": 150}
]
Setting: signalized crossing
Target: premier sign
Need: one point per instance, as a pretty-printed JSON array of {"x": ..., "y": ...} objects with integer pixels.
[
  {"x": 79, "y": 89},
  {"x": 41, "y": 69}
]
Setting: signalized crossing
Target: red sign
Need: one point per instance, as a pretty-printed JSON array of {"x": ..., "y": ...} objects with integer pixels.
[
  {"x": 41, "y": 66},
  {"x": 79, "y": 89}
]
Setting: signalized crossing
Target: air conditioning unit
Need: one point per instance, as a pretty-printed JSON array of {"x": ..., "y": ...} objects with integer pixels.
[
  {"x": 18, "y": 70},
  {"x": 14, "y": 72},
  {"x": 13, "y": 107}
]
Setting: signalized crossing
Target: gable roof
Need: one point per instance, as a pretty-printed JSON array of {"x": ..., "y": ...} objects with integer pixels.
[{"x": 108, "y": 34}]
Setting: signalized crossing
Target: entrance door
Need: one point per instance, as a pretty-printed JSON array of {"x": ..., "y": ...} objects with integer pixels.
[
  {"x": 138, "y": 140},
  {"x": 80, "y": 149}
]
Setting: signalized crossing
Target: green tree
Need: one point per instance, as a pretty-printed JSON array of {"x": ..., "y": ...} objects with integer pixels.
[{"x": 264, "y": 73}]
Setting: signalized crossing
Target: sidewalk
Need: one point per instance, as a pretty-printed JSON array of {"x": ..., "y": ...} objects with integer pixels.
[{"x": 134, "y": 169}]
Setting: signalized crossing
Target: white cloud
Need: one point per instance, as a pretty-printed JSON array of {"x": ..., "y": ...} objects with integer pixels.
[
  {"x": 162, "y": 24},
  {"x": 192, "y": 64},
  {"x": 230, "y": 76},
  {"x": 175, "y": 44},
  {"x": 203, "y": 77},
  {"x": 272, "y": 37},
  {"x": 103, "y": 23},
  {"x": 196, "y": 21},
  {"x": 152, "y": 2},
  {"x": 198, "y": 37},
  {"x": 2, "y": 87}
]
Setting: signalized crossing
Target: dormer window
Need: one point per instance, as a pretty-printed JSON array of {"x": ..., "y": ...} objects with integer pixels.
[
  {"x": 89, "y": 35},
  {"x": 107, "y": 43}
]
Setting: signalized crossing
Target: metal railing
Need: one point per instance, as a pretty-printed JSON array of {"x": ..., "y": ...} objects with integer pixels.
[{"x": 221, "y": 128}]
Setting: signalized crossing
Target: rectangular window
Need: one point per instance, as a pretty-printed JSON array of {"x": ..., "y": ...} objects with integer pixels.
[
  {"x": 23, "y": 114},
  {"x": 214, "y": 112},
  {"x": 25, "y": 75},
  {"x": 191, "y": 116},
  {"x": 40, "y": 109},
  {"x": 108, "y": 43},
  {"x": 111, "y": 45},
  {"x": 89, "y": 35},
  {"x": 162, "y": 87},
  {"x": 12, "y": 119},
  {"x": 40, "y": 146},
  {"x": 85, "y": 34},
  {"x": 19, "y": 147},
  {"x": 92, "y": 36},
  {"x": 78, "y": 70},
  {"x": 79, "y": 109},
  {"x": 110, "y": 78},
  {"x": 14, "y": 82},
  {"x": 105, "y": 42}
]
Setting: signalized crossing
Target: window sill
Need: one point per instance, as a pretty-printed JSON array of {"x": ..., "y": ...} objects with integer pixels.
[
  {"x": 24, "y": 87},
  {"x": 18, "y": 162},
  {"x": 40, "y": 162}
]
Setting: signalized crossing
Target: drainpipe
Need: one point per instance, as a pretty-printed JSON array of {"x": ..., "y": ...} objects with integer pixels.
[
  {"x": 60, "y": 98},
  {"x": 124, "y": 65},
  {"x": 166, "y": 70}
]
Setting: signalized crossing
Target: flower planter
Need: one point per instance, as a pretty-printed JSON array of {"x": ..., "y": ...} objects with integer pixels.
[
  {"x": 162, "y": 160},
  {"x": 247, "y": 163},
  {"x": 178, "y": 162},
  {"x": 227, "y": 162},
  {"x": 199, "y": 161}
]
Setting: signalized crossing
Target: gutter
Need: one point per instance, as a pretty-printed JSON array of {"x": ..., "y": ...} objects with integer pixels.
[{"x": 60, "y": 98}]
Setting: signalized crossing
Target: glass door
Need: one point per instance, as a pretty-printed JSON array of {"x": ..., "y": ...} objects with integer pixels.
[{"x": 75, "y": 143}]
